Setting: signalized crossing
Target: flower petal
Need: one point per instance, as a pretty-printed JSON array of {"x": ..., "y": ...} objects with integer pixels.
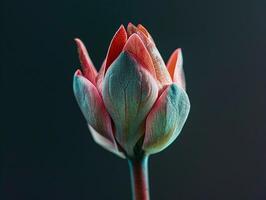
[
  {"x": 116, "y": 46},
  {"x": 88, "y": 68},
  {"x": 105, "y": 143},
  {"x": 166, "y": 119},
  {"x": 145, "y": 31},
  {"x": 93, "y": 109},
  {"x": 131, "y": 28},
  {"x": 135, "y": 46},
  {"x": 129, "y": 92},
  {"x": 175, "y": 68},
  {"x": 99, "y": 78},
  {"x": 160, "y": 69}
]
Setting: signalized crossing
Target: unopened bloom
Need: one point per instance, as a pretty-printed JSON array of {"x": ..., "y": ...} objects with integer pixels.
[{"x": 135, "y": 103}]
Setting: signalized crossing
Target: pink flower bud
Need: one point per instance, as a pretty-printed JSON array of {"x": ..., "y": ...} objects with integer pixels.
[{"x": 135, "y": 104}]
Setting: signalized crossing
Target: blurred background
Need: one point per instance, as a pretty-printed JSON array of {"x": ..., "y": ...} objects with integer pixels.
[{"x": 46, "y": 149}]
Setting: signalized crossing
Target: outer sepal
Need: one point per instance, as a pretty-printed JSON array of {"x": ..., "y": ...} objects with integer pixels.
[
  {"x": 129, "y": 92},
  {"x": 105, "y": 143},
  {"x": 166, "y": 119},
  {"x": 93, "y": 109}
]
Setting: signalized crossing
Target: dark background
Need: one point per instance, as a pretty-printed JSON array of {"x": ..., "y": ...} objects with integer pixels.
[{"x": 46, "y": 149}]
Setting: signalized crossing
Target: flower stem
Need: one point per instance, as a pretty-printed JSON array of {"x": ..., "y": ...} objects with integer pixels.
[{"x": 139, "y": 178}]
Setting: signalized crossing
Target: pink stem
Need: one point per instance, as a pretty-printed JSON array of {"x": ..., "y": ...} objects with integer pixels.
[{"x": 139, "y": 178}]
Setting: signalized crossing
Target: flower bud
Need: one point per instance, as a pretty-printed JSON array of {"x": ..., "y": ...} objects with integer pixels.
[{"x": 135, "y": 104}]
